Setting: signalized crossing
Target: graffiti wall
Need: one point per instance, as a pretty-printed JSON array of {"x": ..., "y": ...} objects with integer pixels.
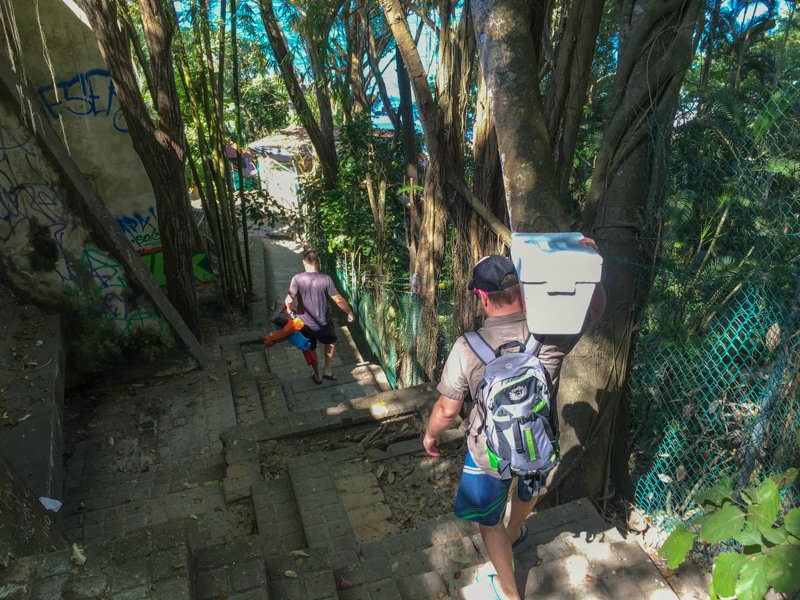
[{"x": 45, "y": 250}]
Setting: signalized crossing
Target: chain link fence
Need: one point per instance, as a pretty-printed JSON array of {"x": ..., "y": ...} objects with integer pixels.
[
  {"x": 392, "y": 322},
  {"x": 715, "y": 385}
]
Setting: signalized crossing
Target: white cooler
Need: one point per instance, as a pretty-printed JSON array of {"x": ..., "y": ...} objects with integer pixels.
[{"x": 558, "y": 276}]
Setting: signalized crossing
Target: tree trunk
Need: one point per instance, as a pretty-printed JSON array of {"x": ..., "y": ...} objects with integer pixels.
[
  {"x": 442, "y": 122},
  {"x": 568, "y": 85},
  {"x": 410, "y": 152},
  {"x": 656, "y": 47},
  {"x": 321, "y": 134},
  {"x": 239, "y": 142},
  {"x": 162, "y": 148},
  {"x": 506, "y": 49}
]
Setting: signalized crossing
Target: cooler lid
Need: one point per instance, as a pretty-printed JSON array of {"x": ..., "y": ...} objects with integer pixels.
[{"x": 554, "y": 257}]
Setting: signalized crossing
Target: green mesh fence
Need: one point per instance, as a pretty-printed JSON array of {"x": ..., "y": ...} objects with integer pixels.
[
  {"x": 715, "y": 388},
  {"x": 390, "y": 318}
]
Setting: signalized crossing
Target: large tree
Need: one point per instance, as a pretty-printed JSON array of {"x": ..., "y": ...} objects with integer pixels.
[
  {"x": 162, "y": 145},
  {"x": 657, "y": 39}
]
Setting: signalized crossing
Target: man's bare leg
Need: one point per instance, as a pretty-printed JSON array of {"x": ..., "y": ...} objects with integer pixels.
[
  {"x": 328, "y": 359},
  {"x": 498, "y": 547},
  {"x": 315, "y": 367},
  {"x": 519, "y": 512}
]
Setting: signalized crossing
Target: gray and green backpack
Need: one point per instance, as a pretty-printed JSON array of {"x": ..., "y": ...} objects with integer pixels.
[{"x": 514, "y": 403}]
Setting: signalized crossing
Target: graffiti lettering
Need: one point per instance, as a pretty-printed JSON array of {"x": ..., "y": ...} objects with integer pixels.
[
  {"x": 114, "y": 292},
  {"x": 201, "y": 266},
  {"x": 24, "y": 201},
  {"x": 142, "y": 230},
  {"x": 143, "y": 233},
  {"x": 89, "y": 94}
]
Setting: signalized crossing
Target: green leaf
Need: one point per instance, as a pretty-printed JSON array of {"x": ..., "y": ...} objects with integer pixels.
[
  {"x": 676, "y": 546},
  {"x": 775, "y": 535},
  {"x": 752, "y": 583},
  {"x": 717, "y": 494},
  {"x": 721, "y": 525},
  {"x": 785, "y": 479},
  {"x": 749, "y": 536},
  {"x": 726, "y": 570},
  {"x": 783, "y": 568},
  {"x": 765, "y": 500},
  {"x": 791, "y": 520}
]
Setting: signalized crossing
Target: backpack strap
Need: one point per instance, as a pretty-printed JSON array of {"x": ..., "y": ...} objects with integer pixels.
[
  {"x": 533, "y": 345},
  {"x": 479, "y": 347}
]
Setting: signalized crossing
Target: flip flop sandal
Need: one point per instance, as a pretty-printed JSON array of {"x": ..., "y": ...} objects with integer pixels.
[
  {"x": 330, "y": 377},
  {"x": 315, "y": 381}
]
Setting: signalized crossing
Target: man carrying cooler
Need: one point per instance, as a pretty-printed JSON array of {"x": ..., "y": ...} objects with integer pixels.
[{"x": 482, "y": 493}]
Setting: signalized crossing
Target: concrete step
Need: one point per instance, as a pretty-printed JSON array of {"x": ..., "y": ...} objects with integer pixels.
[
  {"x": 26, "y": 528},
  {"x": 303, "y": 575},
  {"x": 277, "y": 517},
  {"x": 233, "y": 570},
  {"x": 246, "y": 397},
  {"x": 152, "y": 563},
  {"x": 32, "y": 396}
]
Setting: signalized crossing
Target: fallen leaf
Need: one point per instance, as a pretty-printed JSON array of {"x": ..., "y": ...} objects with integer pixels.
[
  {"x": 291, "y": 574},
  {"x": 111, "y": 440},
  {"x": 460, "y": 557},
  {"x": 77, "y": 556},
  {"x": 344, "y": 584},
  {"x": 391, "y": 477},
  {"x": 680, "y": 473},
  {"x": 395, "y": 566},
  {"x": 664, "y": 478},
  {"x": 379, "y": 471},
  {"x": 297, "y": 553}
]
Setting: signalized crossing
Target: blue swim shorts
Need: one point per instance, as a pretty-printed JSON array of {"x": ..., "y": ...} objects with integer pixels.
[{"x": 482, "y": 498}]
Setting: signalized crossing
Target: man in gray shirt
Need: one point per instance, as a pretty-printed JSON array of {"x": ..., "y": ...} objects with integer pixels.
[{"x": 312, "y": 289}]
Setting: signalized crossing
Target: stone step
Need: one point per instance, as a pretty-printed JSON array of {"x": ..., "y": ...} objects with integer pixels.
[
  {"x": 101, "y": 489},
  {"x": 246, "y": 397},
  {"x": 26, "y": 528},
  {"x": 277, "y": 517},
  {"x": 233, "y": 570},
  {"x": 32, "y": 401},
  {"x": 147, "y": 563},
  {"x": 303, "y": 575},
  {"x": 203, "y": 504}
]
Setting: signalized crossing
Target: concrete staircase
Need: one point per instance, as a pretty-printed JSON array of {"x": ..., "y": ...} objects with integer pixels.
[{"x": 249, "y": 481}]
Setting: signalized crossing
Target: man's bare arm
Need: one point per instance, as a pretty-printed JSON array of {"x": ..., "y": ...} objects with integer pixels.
[
  {"x": 443, "y": 415},
  {"x": 289, "y": 301},
  {"x": 344, "y": 306}
]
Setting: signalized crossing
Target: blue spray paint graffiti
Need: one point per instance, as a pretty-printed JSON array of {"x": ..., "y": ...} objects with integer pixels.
[
  {"x": 23, "y": 201},
  {"x": 29, "y": 198},
  {"x": 88, "y": 94},
  {"x": 142, "y": 229}
]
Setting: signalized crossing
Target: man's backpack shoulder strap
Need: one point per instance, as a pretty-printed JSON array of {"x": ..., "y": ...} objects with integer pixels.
[
  {"x": 533, "y": 345},
  {"x": 480, "y": 347}
]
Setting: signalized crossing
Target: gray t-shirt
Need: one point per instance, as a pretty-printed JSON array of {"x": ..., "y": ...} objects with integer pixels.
[
  {"x": 314, "y": 289},
  {"x": 463, "y": 371}
]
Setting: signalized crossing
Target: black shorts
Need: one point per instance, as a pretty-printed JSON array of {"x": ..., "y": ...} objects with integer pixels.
[{"x": 326, "y": 335}]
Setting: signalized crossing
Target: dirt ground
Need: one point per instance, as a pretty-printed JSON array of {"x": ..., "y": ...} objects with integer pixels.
[
  {"x": 419, "y": 487},
  {"x": 416, "y": 487}
]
